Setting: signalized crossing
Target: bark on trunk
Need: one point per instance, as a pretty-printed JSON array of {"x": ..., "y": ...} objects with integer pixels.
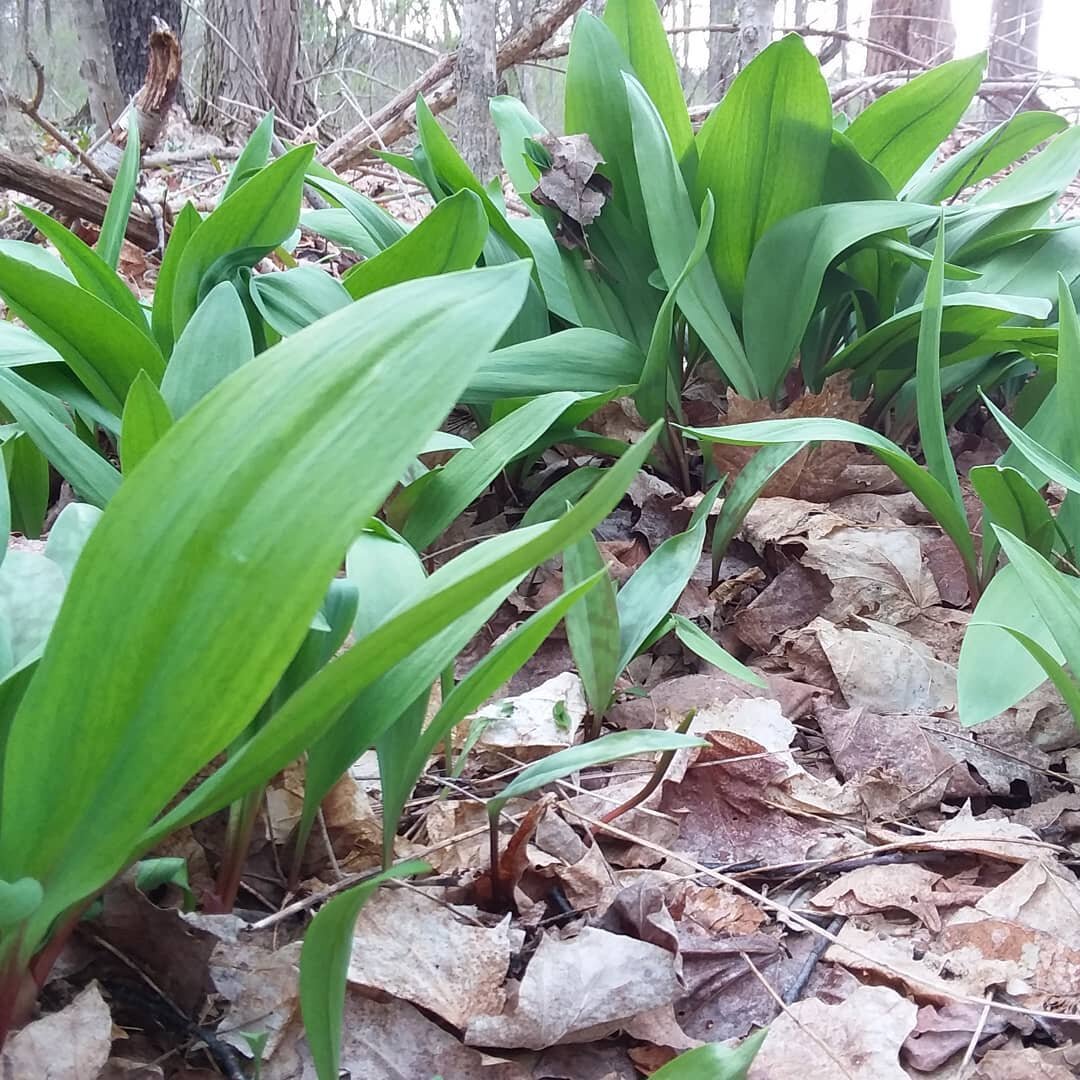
[
  {"x": 97, "y": 66},
  {"x": 1014, "y": 37},
  {"x": 476, "y": 82},
  {"x": 722, "y": 49},
  {"x": 130, "y": 23},
  {"x": 756, "y": 21},
  {"x": 920, "y": 30},
  {"x": 251, "y": 58}
]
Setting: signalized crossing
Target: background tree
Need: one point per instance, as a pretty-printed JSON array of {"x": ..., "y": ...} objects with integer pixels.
[
  {"x": 920, "y": 29},
  {"x": 129, "y": 23},
  {"x": 1014, "y": 37},
  {"x": 251, "y": 62},
  {"x": 476, "y": 81},
  {"x": 97, "y": 66}
]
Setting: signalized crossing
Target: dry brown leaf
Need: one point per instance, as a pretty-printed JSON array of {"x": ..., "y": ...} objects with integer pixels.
[
  {"x": 118, "y": 1068},
  {"x": 572, "y": 185},
  {"x": 884, "y": 669},
  {"x": 536, "y": 723},
  {"x": 72, "y": 1044},
  {"x": 792, "y": 599},
  {"x": 942, "y": 1032},
  {"x": 859, "y": 1039},
  {"x": 578, "y": 990},
  {"x": 410, "y": 946},
  {"x": 1015, "y": 1063},
  {"x": 996, "y": 837},
  {"x": 906, "y": 886},
  {"x": 1039, "y": 895}
]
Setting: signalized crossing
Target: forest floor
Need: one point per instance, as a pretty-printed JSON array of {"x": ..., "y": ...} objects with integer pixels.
[{"x": 892, "y": 894}]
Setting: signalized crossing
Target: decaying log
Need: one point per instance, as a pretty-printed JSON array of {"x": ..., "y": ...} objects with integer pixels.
[
  {"x": 398, "y": 117},
  {"x": 70, "y": 195},
  {"x": 158, "y": 92}
]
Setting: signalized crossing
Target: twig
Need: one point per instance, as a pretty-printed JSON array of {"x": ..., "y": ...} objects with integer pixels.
[
  {"x": 397, "y": 39},
  {"x": 795, "y": 990}
]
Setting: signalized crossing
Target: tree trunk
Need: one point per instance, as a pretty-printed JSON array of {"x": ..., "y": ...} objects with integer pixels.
[
  {"x": 1014, "y": 37},
  {"x": 476, "y": 80},
  {"x": 251, "y": 58},
  {"x": 912, "y": 30},
  {"x": 130, "y": 23},
  {"x": 722, "y": 49},
  {"x": 97, "y": 66},
  {"x": 756, "y": 21}
]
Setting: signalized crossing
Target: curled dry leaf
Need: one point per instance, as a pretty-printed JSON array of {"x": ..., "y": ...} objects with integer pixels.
[
  {"x": 859, "y": 1039},
  {"x": 572, "y": 186},
  {"x": 72, "y": 1044},
  {"x": 580, "y": 989},
  {"x": 904, "y": 886},
  {"x": 410, "y": 946}
]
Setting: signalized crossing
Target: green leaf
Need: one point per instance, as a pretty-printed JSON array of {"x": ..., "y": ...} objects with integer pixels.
[
  {"x": 601, "y": 751},
  {"x": 1063, "y": 681},
  {"x": 92, "y": 477},
  {"x": 151, "y": 874},
  {"x": 324, "y": 967},
  {"x": 36, "y": 255},
  {"x": 923, "y": 486},
  {"x": 69, "y": 533},
  {"x": 450, "y": 238},
  {"x": 1011, "y": 502},
  {"x": 113, "y": 228},
  {"x": 382, "y": 228},
  {"x": 1044, "y": 460},
  {"x": 515, "y": 124},
  {"x": 986, "y": 155},
  {"x": 782, "y": 292},
  {"x": 695, "y": 639},
  {"x": 657, "y": 389},
  {"x": 146, "y": 420},
  {"x": 451, "y": 489},
  {"x": 161, "y": 318},
  {"x": 18, "y": 901},
  {"x": 581, "y": 360},
  {"x": 674, "y": 229},
  {"x": 552, "y": 501},
  {"x": 214, "y": 344},
  {"x": 89, "y": 269},
  {"x": 592, "y": 627},
  {"x": 296, "y": 298},
  {"x": 931, "y": 414},
  {"x": 103, "y": 349},
  {"x": 19, "y": 347},
  {"x": 253, "y": 157},
  {"x": 452, "y": 595},
  {"x": 900, "y": 130},
  {"x": 640, "y": 32},
  {"x": 248, "y": 225},
  {"x": 764, "y": 151},
  {"x": 198, "y": 637},
  {"x": 656, "y": 585},
  {"x": 714, "y": 1061},
  {"x": 26, "y": 493}
]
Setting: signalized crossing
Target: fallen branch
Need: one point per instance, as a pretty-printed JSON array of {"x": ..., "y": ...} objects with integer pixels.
[
  {"x": 398, "y": 117},
  {"x": 72, "y": 196}
]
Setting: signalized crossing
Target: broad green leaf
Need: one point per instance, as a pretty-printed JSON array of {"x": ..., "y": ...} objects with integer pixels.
[
  {"x": 657, "y": 388},
  {"x": 36, "y": 255},
  {"x": 27, "y": 489},
  {"x": 343, "y": 229},
  {"x": 592, "y": 627},
  {"x": 248, "y": 225},
  {"x": 383, "y": 228},
  {"x": 198, "y": 637},
  {"x": 146, "y": 420},
  {"x": 253, "y": 157},
  {"x": 92, "y": 477},
  {"x": 548, "y": 257},
  {"x": 932, "y": 433},
  {"x": 515, "y": 124},
  {"x": 103, "y": 349},
  {"x": 113, "y": 228},
  {"x": 714, "y": 1061},
  {"x": 89, "y": 269},
  {"x": 600, "y": 751},
  {"x": 1043, "y": 459},
  {"x": 986, "y": 155},
  {"x": 450, "y": 238},
  {"x": 923, "y": 486},
  {"x": 5, "y": 513},
  {"x": 31, "y": 591},
  {"x": 656, "y": 585},
  {"x": 322, "y": 701},
  {"x": 782, "y": 291},
  {"x": 214, "y": 344},
  {"x": 749, "y": 484},
  {"x": 18, "y": 901},
  {"x": 551, "y": 502},
  {"x": 640, "y": 32},
  {"x": 695, "y": 639},
  {"x": 466, "y": 477},
  {"x": 900, "y": 130},
  {"x": 161, "y": 317},
  {"x": 69, "y": 533},
  {"x": 1063, "y": 681},
  {"x": 1010, "y": 501},
  {"x": 19, "y": 347},
  {"x": 764, "y": 154},
  {"x": 324, "y": 967},
  {"x": 296, "y": 298},
  {"x": 674, "y": 229},
  {"x": 580, "y": 359}
]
